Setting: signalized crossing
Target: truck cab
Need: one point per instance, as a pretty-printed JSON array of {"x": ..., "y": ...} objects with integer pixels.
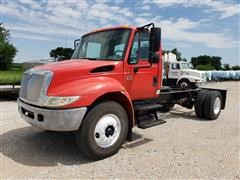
[
  {"x": 181, "y": 74},
  {"x": 112, "y": 83}
]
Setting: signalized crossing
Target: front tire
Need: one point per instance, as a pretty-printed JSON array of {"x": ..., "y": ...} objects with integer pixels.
[
  {"x": 103, "y": 130},
  {"x": 184, "y": 83}
]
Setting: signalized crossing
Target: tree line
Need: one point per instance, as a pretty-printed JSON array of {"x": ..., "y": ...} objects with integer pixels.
[{"x": 204, "y": 62}]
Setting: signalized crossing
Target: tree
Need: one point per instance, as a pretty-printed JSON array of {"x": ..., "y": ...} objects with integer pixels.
[
  {"x": 205, "y": 67},
  {"x": 226, "y": 67},
  {"x": 216, "y": 62},
  {"x": 177, "y": 53},
  {"x": 236, "y": 67},
  {"x": 7, "y": 50},
  {"x": 213, "y": 61},
  {"x": 61, "y": 53}
]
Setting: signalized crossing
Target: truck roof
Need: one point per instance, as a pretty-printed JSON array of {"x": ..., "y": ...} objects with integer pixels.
[{"x": 110, "y": 28}]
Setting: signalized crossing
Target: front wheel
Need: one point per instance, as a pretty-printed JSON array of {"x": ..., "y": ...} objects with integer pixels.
[
  {"x": 184, "y": 83},
  {"x": 103, "y": 130}
]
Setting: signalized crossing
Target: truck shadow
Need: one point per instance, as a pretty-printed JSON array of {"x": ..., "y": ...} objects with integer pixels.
[
  {"x": 179, "y": 113},
  {"x": 34, "y": 147}
]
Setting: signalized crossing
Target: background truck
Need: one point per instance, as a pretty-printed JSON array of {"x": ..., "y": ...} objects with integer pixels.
[
  {"x": 112, "y": 83},
  {"x": 180, "y": 73}
]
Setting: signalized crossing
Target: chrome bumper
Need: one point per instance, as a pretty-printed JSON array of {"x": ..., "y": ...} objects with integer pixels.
[
  {"x": 199, "y": 84},
  {"x": 51, "y": 119}
]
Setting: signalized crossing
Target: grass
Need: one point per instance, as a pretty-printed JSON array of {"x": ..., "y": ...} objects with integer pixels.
[{"x": 12, "y": 76}]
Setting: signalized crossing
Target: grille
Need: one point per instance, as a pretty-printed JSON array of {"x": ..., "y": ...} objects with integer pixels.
[
  {"x": 31, "y": 86},
  {"x": 24, "y": 82}
]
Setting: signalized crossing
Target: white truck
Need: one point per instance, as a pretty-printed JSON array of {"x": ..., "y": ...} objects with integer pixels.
[{"x": 180, "y": 73}]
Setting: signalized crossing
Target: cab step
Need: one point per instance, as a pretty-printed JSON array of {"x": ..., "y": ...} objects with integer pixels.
[
  {"x": 148, "y": 107},
  {"x": 148, "y": 124},
  {"x": 148, "y": 120}
]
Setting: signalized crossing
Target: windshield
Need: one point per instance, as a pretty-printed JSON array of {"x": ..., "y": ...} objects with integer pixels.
[
  {"x": 185, "y": 66},
  {"x": 104, "y": 45}
]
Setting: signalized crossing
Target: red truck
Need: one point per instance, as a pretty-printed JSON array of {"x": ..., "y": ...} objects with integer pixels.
[{"x": 112, "y": 83}]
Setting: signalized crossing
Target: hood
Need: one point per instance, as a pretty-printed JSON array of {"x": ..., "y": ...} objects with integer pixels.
[
  {"x": 82, "y": 66},
  {"x": 75, "y": 69},
  {"x": 193, "y": 71}
]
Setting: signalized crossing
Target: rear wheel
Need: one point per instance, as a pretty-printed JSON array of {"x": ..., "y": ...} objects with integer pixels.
[
  {"x": 199, "y": 103},
  {"x": 212, "y": 105},
  {"x": 103, "y": 130}
]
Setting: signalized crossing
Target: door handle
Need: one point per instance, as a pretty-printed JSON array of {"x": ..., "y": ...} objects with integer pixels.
[{"x": 154, "y": 81}]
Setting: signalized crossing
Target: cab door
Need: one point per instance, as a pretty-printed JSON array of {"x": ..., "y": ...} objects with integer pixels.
[
  {"x": 174, "y": 72},
  {"x": 141, "y": 83}
]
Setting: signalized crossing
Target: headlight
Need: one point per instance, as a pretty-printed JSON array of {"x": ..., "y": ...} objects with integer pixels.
[{"x": 60, "y": 101}]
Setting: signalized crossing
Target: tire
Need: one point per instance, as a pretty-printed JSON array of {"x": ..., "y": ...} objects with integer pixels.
[
  {"x": 198, "y": 106},
  {"x": 168, "y": 107},
  {"x": 212, "y": 105},
  {"x": 184, "y": 83},
  {"x": 106, "y": 120}
]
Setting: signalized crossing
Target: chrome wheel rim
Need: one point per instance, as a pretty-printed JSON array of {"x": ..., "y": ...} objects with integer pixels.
[
  {"x": 107, "y": 130},
  {"x": 217, "y": 105}
]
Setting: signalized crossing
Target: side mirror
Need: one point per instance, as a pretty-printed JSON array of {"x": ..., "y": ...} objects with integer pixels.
[
  {"x": 155, "y": 39},
  {"x": 154, "y": 44},
  {"x": 76, "y": 42}
]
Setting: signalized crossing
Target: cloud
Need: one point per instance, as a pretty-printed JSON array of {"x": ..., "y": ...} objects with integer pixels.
[
  {"x": 225, "y": 8},
  {"x": 184, "y": 30},
  {"x": 55, "y": 19},
  {"x": 32, "y": 37},
  {"x": 146, "y": 7}
]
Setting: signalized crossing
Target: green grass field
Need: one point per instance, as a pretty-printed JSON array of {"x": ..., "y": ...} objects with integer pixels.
[{"x": 12, "y": 76}]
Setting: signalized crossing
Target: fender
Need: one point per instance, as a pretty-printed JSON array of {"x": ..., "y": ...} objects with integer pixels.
[
  {"x": 190, "y": 78},
  {"x": 92, "y": 89},
  {"x": 89, "y": 89}
]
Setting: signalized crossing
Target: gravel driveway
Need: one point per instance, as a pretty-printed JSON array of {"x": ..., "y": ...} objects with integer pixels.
[{"x": 184, "y": 147}]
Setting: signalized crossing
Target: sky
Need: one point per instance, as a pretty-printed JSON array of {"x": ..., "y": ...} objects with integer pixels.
[{"x": 194, "y": 27}]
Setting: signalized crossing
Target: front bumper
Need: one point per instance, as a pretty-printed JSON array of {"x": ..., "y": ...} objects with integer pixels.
[
  {"x": 201, "y": 83},
  {"x": 52, "y": 119}
]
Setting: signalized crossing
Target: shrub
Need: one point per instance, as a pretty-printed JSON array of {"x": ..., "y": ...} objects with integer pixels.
[{"x": 205, "y": 67}]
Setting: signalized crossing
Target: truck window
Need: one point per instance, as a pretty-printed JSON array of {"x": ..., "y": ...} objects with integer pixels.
[
  {"x": 175, "y": 66},
  {"x": 134, "y": 50},
  {"x": 185, "y": 66},
  {"x": 144, "y": 47},
  {"x": 93, "y": 49},
  {"x": 118, "y": 49},
  {"x": 103, "y": 45}
]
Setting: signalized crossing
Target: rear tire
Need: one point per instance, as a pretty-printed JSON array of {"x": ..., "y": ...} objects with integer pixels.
[
  {"x": 103, "y": 130},
  {"x": 199, "y": 102},
  {"x": 212, "y": 105}
]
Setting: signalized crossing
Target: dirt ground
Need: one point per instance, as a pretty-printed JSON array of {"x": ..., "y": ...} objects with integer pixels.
[{"x": 184, "y": 147}]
